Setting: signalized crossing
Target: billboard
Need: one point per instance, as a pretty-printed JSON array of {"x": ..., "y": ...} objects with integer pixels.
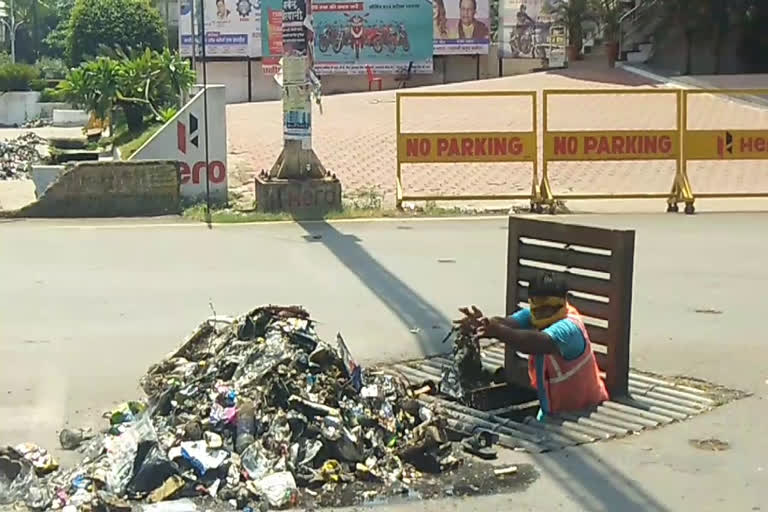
[
  {"x": 532, "y": 29},
  {"x": 232, "y": 28},
  {"x": 386, "y": 35},
  {"x": 271, "y": 35},
  {"x": 461, "y": 27}
]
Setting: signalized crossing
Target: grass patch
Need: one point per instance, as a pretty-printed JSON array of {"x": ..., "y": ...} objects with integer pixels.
[
  {"x": 128, "y": 142},
  {"x": 234, "y": 216}
]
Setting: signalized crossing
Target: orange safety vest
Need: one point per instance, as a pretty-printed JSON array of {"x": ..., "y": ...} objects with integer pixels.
[{"x": 571, "y": 385}]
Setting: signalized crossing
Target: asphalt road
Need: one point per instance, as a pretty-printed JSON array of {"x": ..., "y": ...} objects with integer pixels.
[{"x": 87, "y": 306}]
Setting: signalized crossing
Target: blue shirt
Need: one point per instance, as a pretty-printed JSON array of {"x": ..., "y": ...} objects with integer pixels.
[{"x": 569, "y": 341}]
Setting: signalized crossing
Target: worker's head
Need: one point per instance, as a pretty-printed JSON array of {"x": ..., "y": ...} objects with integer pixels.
[{"x": 547, "y": 297}]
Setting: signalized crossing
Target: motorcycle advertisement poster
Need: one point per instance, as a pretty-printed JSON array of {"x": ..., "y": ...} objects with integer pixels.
[
  {"x": 386, "y": 35},
  {"x": 532, "y": 29},
  {"x": 461, "y": 27},
  {"x": 232, "y": 28},
  {"x": 271, "y": 35}
]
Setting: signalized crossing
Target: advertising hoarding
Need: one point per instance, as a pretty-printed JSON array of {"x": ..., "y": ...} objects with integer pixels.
[
  {"x": 461, "y": 27},
  {"x": 384, "y": 34},
  {"x": 532, "y": 29},
  {"x": 271, "y": 35},
  {"x": 232, "y": 28}
]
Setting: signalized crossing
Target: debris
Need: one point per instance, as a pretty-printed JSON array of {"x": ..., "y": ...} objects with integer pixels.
[
  {"x": 708, "y": 311},
  {"x": 481, "y": 444},
  {"x": 248, "y": 412},
  {"x": 19, "y": 482},
  {"x": 201, "y": 457},
  {"x": 41, "y": 460},
  {"x": 505, "y": 471},
  {"x": 279, "y": 489},
  {"x": 17, "y": 155},
  {"x": 167, "y": 490},
  {"x": 184, "y": 505},
  {"x": 72, "y": 439},
  {"x": 446, "y": 260},
  {"x": 712, "y": 444}
]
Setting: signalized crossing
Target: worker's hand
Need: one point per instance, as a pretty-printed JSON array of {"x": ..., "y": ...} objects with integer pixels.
[
  {"x": 489, "y": 327},
  {"x": 471, "y": 320}
]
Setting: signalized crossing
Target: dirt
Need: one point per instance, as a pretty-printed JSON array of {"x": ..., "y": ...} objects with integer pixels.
[{"x": 471, "y": 479}]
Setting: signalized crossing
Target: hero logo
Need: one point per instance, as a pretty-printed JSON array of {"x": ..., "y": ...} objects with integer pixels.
[
  {"x": 217, "y": 171},
  {"x": 725, "y": 144}
]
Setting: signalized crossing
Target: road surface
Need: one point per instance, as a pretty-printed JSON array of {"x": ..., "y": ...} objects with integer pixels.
[{"x": 86, "y": 306}]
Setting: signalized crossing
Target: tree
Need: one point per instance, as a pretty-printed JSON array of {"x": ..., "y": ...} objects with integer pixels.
[
  {"x": 691, "y": 17},
  {"x": 123, "y": 24}
]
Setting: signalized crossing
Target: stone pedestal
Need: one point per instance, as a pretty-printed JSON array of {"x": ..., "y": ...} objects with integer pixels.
[{"x": 303, "y": 198}]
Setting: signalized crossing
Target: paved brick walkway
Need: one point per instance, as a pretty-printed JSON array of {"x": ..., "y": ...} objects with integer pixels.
[{"x": 355, "y": 137}]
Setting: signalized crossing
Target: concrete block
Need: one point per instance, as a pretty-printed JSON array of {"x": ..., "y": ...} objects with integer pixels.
[
  {"x": 44, "y": 175},
  {"x": 63, "y": 117},
  {"x": 46, "y": 109},
  {"x": 17, "y": 107},
  {"x": 310, "y": 198},
  {"x": 110, "y": 189}
]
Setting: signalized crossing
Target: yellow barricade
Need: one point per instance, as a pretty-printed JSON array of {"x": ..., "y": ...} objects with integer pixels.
[
  {"x": 466, "y": 147},
  {"x": 722, "y": 145},
  {"x": 611, "y": 145}
]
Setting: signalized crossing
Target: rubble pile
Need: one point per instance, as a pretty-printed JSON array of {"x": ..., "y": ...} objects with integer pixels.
[
  {"x": 17, "y": 156},
  {"x": 258, "y": 412}
]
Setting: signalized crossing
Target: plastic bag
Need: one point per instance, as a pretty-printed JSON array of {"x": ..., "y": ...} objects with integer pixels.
[
  {"x": 279, "y": 489},
  {"x": 151, "y": 469},
  {"x": 19, "y": 482},
  {"x": 122, "y": 450}
]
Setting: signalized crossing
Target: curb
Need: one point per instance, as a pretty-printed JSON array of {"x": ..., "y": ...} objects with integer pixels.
[{"x": 692, "y": 83}]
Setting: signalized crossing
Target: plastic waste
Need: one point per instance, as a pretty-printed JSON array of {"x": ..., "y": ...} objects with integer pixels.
[
  {"x": 166, "y": 491},
  {"x": 213, "y": 440},
  {"x": 122, "y": 450},
  {"x": 72, "y": 439},
  {"x": 184, "y": 505},
  {"x": 201, "y": 458},
  {"x": 255, "y": 462},
  {"x": 279, "y": 489},
  {"x": 19, "y": 482},
  {"x": 151, "y": 469},
  {"x": 41, "y": 460},
  {"x": 246, "y": 426},
  {"x": 126, "y": 412}
]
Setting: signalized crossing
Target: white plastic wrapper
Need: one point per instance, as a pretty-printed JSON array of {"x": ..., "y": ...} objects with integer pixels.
[{"x": 279, "y": 489}]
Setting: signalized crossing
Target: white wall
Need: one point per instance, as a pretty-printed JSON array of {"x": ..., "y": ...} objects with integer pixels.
[
  {"x": 180, "y": 140},
  {"x": 18, "y": 107},
  {"x": 447, "y": 69}
]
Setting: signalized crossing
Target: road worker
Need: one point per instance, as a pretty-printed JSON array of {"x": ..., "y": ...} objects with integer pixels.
[{"x": 561, "y": 364}]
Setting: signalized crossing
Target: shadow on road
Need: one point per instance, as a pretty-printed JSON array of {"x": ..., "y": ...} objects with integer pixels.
[
  {"x": 594, "y": 484},
  {"x": 410, "y": 307}
]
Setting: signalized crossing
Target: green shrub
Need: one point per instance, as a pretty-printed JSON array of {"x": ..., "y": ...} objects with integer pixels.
[
  {"x": 52, "y": 69},
  {"x": 50, "y": 95},
  {"x": 38, "y": 84},
  {"x": 110, "y": 24},
  {"x": 17, "y": 77},
  {"x": 142, "y": 88}
]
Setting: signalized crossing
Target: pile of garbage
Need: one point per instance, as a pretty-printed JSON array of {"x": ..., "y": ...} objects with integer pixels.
[
  {"x": 17, "y": 155},
  {"x": 256, "y": 411}
]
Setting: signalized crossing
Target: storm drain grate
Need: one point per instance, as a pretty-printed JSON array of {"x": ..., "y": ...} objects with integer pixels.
[{"x": 654, "y": 401}]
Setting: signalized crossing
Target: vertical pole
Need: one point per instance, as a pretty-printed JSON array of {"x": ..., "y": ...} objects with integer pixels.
[
  {"x": 205, "y": 112},
  {"x": 13, "y": 34},
  {"x": 399, "y": 177},
  {"x": 250, "y": 78},
  {"x": 535, "y": 128},
  {"x": 192, "y": 23}
]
